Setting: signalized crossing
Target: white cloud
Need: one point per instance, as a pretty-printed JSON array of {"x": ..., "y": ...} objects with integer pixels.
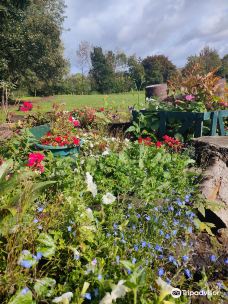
[{"x": 176, "y": 28}]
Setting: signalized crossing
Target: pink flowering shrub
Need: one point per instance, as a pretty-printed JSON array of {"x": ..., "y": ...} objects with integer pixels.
[{"x": 26, "y": 107}]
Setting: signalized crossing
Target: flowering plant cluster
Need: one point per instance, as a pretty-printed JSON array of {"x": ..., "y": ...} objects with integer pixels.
[
  {"x": 35, "y": 161},
  {"x": 76, "y": 235},
  {"x": 26, "y": 106},
  {"x": 86, "y": 116},
  {"x": 60, "y": 140},
  {"x": 168, "y": 141}
]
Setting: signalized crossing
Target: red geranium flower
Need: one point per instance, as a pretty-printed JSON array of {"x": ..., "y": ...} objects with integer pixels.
[{"x": 158, "y": 144}]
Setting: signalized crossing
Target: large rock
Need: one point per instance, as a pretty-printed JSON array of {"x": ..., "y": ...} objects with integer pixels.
[
  {"x": 212, "y": 155},
  {"x": 157, "y": 91}
]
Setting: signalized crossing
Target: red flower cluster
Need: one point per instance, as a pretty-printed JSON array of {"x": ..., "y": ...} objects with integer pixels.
[
  {"x": 75, "y": 122},
  {"x": 101, "y": 109},
  {"x": 168, "y": 141},
  {"x": 60, "y": 140},
  {"x": 26, "y": 107},
  {"x": 35, "y": 161},
  {"x": 146, "y": 141}
]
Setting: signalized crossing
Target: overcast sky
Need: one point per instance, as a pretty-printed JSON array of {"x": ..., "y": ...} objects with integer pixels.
[{"x": 176, "y": 28}]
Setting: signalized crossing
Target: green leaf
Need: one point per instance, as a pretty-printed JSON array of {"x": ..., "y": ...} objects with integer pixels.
[
  {"x": 44, "y": 287},
  {"x": 21, "y": 298},
  {"x": 46, "y": 245}
]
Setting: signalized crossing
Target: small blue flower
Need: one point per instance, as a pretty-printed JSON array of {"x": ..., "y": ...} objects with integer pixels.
[
  {"x": 158, "y": 248},
  {"x": 144, "y": 244},
  {"x": 178, "y": 213},
  {"x": 138, "y": 215},
  {"x": 187, "y": 273},
  {"x": 171, "y": 258},
  {"x": 24, "y": 290},
  {"x": 149, "y": 245},
  {"x": 108, "y": 234},
  {"x": 129, "y": 206},
  {"x": 220, "y": 285},
  {"x": 161, "y": 272},
  {"x": 147, "y": 218},
  {"x": 190, "y": 229},
  {"x": 87, "y": 296},
  {"x": 161, "y": 232},
  {"x": 185, "y": 258},
  {"x": 134, "y": 260},
  {"x": 168, "y": 281},
  {"x": 69, "y": 228},
  {"x": 212, "y": 258},
  {"x": 94, "y": 262},
  {"x": 174, "y": 232},
  {"x": 26, "y": 264},
  {"x": 167, "y": 236},
  {"x": 39, "y": 256},
  {"x": 128, "y": 271},
  {"x": 175, "y": 222},
  {"x": 170, "y": 208},
  {"x": 99, "y": 277},
  {"x": 115, "y": 226},
  {"x": 226, "y": 261},
  {"x": 117, "y": 259},
  {"x": 133, "y": 227},
  {"x": 136, "y": 247},
  {"x": 35, "y": 221},
  {"x": 40, "y": 209},
  {"x": 183, "y": 243},
  {"x": 156, "y": 208},
  {"x": 161, "y": 257}
]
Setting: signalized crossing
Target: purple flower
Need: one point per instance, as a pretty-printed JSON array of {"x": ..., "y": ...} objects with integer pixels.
[
  {"x": 128, "y": 271},
  {"x": 115, "y": 226},
  {"x": 175, "y": 222},
  {"x": 190, "y": 229},
  {"x": 134, "y": 260},
  {"x": 99, "y": 277},
  {"x": 26, "y": 264},
  {"x": 161, "y": 257},
  {"x": 170, "y": 208},
  {"x": 40, "y": 209},
  {"x": 174, "y": 232},
  {"x": 220, "y": 285},
  {"x": 133, "y": 227},
  {"x": 161, "y": 272},
  {"x": 189, "y": 97},
  {"x": 69, "y": 228},
  {"x": 167, "y": 236},
  {"x": 35, "y": 221},
  {"x": 226, "y": 261},
  {"x": 24, "y": 290}
]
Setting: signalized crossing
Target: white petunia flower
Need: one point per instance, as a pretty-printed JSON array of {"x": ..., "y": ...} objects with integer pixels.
[
  {"x": 108, "y": 198},
  {"x": 91, "y": 186},
  {"x": 64, "y": 298},
  {"x": 118, "y": 291}
]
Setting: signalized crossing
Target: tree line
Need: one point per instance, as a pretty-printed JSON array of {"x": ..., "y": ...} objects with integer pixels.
[
  {"x": 32, "y": 58},
  {"x": 115, "y": 72}
]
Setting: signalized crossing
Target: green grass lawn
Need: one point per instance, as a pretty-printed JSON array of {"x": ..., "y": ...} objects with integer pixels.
[{"x": 119, "y": 102}]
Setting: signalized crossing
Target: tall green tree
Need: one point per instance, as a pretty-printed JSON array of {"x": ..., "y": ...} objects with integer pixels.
[
  {"x": 158, "y": 69},
  {"x": 102, "y": 71},
  {"x": 30, "y": 47},
  {"x": 208, "y": 58},
  {"x": 136, "y": 72}
]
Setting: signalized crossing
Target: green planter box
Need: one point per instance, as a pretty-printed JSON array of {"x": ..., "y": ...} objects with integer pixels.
[
  {"x": 40, "y": 131},
  {"x": 186, "y": 120}
]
